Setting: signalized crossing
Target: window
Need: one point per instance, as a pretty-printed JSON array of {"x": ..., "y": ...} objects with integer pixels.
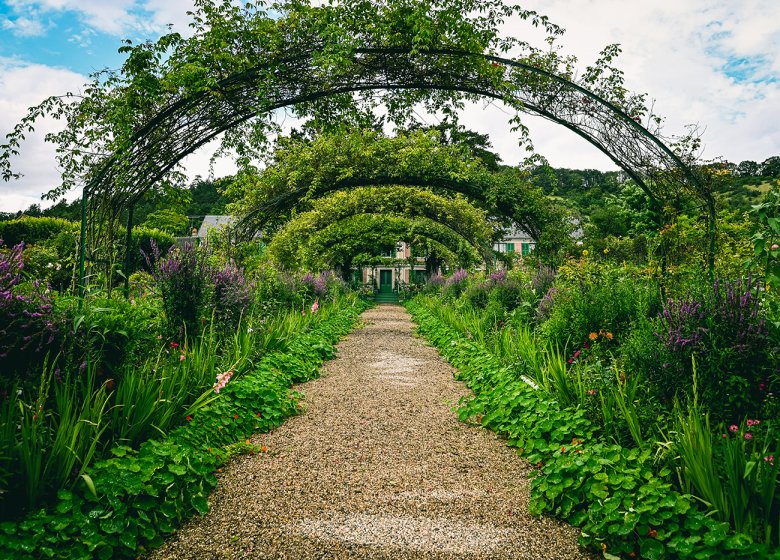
[
  {"x": 510, "y": 248},
  {"x": 525, "y": 249}
]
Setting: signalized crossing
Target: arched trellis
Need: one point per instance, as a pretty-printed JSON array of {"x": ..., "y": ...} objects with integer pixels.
[
  {"x": 458, "y": 217},
  {"x": 359, "y": 159},
  {"x": 373, "y": 229},
  {"x": 190, "y": 123},
  {"x": 165, "y": 105}
]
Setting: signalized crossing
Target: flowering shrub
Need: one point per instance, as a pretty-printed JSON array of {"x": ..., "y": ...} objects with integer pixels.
[
  {"x": 456, "y": 284},
  {"x": 231, "y": 298},
  {"x": 182, "y": 280},
  {"x": 726, "y": 332},
  {"x": 593, "y": 296},
  {"x": 27, "y": 324},
  {"x": 314, "y": 286}
]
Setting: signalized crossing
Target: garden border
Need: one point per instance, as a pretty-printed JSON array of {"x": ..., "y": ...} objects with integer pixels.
[
  {"x": 610, "y": 492},
  {"x": 128, "y": 503}
]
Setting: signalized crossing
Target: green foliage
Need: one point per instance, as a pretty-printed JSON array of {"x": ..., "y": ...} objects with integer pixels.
[
  {"x": 127, "y": 504},
  {"x": 31, "y": 230},
  {"x": 622, "y": 503},
  {"x": 593, "y": 297},
  {"x": 167, "y": 220},
  {"x": 304, "y": 170},
  {"x": 291, "y": 246},
  {"x": 736, "y": 472},
  {"x": 766, "y": 237}
]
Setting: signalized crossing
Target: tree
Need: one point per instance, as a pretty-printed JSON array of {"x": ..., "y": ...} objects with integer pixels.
[
  {"x": 748, "y": 168},
  {"x": 770, "y": 167}
]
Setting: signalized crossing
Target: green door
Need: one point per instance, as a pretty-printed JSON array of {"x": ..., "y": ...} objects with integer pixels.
[{"x": 385, "y": 281}]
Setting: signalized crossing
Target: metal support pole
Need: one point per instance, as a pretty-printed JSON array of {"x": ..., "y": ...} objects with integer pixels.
[
  {"x": 711, "y": 231},
  {"x": 128, "y": 240},
  {"x": 83, "y": 247}
]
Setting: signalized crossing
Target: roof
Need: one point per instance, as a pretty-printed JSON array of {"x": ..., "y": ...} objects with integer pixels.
[{"x": 213, "y": 221}]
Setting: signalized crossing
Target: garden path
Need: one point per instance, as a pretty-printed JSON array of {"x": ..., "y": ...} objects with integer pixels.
[{"x": 377, "y": 467}]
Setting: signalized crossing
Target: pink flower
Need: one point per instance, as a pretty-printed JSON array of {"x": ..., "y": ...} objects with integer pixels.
[
  {"x": 775, "y": 246},
  {"x": 753, "y": 422},
  {"x": 725, "y": 435},
  {"x": 222, "y": 380},
  {"x": 315, "y": 306},
  {"x": 569, "y": 361},
  {"x": 748, "y": 436},
  {"x": 181, "y": 357},
  {"x": 733, "y": 428},
  {"x": 770, "y": 459},
  {"x": 577, "y": 354},
  {"x": 592, "y": 391}
]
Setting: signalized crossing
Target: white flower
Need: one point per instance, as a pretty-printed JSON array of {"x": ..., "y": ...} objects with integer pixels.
[{"x": 50, "y": 265}]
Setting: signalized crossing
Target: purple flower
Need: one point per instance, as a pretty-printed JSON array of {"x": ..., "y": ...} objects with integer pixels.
[{"x": 457, "y": 277}]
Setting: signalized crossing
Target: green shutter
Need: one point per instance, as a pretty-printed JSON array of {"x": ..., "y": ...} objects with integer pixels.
[
  {"x": 526, "y": 249},
  {"x": 510, "y": 247}
]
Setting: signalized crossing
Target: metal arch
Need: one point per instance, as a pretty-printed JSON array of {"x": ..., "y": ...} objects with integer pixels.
[
  {"x": 190, "y": 122},
  {"x": 179, "y": 110}
]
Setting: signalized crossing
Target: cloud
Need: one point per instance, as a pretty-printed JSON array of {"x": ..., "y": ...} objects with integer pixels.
[
  {"x": 28, "y": 25},
  {"x": 114, "y": 17},
  {"x": 23, "y": 85},
  {"x": 712, "y": 62}
]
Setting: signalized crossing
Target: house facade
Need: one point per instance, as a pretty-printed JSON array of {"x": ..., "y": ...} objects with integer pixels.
[{"x": 399, "y": 269}]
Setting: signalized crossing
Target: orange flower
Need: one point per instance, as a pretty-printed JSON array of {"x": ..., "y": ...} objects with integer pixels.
[
  {"x": 652, "y": 533},
  {"x": 609, "y": 336},
  {"x": 263, "y": 448},
  {"x": 188, "y": 418},
  {"x": 593, "y": 336},
  {"x": 235, "y": 417},
  {"x": 219, "y": 470},
  {"x": 248, "y": 442}
]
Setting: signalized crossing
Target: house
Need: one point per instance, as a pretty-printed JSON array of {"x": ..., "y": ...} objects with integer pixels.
[
  {"x": 515, "y": 241},
  {"x": 395, "y": 269}
]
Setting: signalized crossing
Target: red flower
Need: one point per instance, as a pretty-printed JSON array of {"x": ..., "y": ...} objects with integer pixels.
[
  {"x": 174, "y": 344},
  {"x": 235, "y": 417},
  {"x": 188, "y": 418}
]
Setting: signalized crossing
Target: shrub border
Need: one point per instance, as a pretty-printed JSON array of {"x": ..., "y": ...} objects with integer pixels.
[
  {"x": 623, "y": 507},
  {"x": 127, "y": 504}
]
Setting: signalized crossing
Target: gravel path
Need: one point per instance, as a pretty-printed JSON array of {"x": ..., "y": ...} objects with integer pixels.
[{"x": 378, "y": 467}]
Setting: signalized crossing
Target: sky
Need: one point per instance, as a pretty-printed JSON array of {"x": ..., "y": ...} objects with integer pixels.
[{"x": 714, "y": 63}]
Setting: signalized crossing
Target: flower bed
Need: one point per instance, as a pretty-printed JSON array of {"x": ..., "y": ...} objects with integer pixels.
[
  {"x": 129, "y": 503},
  {"x": 624, "y": 508}
]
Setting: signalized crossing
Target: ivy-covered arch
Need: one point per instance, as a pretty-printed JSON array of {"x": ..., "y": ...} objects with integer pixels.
[
  {"x": 456, "y": 221},
  {"x": 129, "y": 130},
  {"x": 334, "y": 244},
  {"x": 304, "y": 170}
]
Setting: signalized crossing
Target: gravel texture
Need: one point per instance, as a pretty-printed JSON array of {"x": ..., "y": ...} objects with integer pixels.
[{"x": 378, "y": 467}]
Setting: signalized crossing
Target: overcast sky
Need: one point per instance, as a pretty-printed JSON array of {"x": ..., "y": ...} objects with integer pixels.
[{"x": 711, "y": 62}]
